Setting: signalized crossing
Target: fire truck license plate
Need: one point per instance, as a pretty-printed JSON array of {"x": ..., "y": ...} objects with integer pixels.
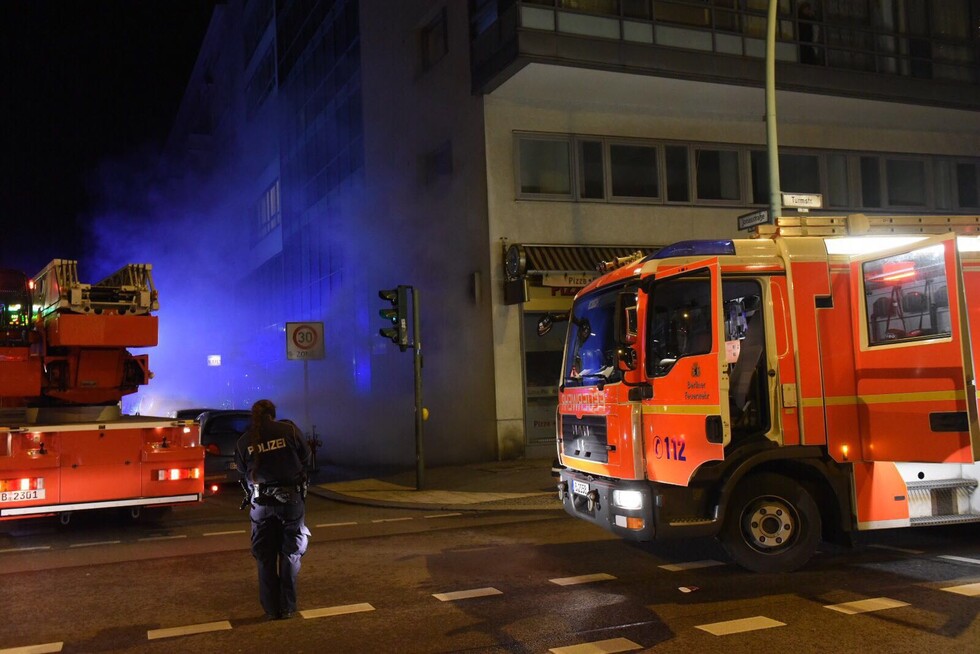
[
  {"x": 580, "y": 487},
  {"x": 21, "y": 496}
]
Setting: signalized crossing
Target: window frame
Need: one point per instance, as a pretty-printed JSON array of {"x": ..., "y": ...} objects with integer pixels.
[
  {"x": 657, "y": 147},
  {"x": 569, "y": 141},
  {"x": 852, "y": 159}
]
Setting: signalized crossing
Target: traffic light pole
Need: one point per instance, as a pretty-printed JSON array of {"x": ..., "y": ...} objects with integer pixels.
[{"x": 419, "y": 460}]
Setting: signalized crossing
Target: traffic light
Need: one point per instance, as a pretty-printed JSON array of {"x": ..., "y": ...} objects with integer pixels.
[{"x": 397, "y": 315}]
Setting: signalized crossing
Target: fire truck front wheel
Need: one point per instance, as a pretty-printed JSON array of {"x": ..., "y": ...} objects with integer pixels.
[{"x": 772, "y": 524}]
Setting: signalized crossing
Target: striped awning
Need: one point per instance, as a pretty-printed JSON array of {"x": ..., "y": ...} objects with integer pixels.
[{"x": 576, "y": 258}]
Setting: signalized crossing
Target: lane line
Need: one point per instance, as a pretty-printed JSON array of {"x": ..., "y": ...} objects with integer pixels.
[
  {"x": 466, "y": 594},
  {"x": 393, "y": 519},
  {"x": 866, "y": 605},
  {"x": 598, "y": 647},
  {"x": 581, "y": 579},
  {"x": 896, "y": 549},
  {"x": 46, "y": 648},
  {"x": 328, "y": 611},
  {"x": 690, "y": 565},
  {"x": 959, "y": 559},
  {"x": 337, "y": 524},
  {"x": 740, "y": 626},
  {"x": 153, "y": 538},
  {"x": 225, "y": 533},
  {"x": 188, "y": 630},
  {"x": 970, "y": 590},
  {"x": 26, "y": 549},
  {"x": 442, "y": 515},
  {"x": 94, "y": 543}
]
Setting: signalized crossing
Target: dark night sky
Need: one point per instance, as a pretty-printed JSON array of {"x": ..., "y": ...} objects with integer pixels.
[{"x": 83, "y": 83}]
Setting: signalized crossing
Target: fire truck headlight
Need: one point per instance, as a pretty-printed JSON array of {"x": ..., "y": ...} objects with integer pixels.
[{"x": 628, "y": 499}]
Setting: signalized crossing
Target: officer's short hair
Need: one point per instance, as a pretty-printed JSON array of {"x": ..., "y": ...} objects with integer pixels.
[{"x": 263, "y": 411}]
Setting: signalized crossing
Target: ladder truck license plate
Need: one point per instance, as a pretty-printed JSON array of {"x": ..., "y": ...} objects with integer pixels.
[
  {"x": 21, "y": 496},
  {"x": 580, "y": 487}
]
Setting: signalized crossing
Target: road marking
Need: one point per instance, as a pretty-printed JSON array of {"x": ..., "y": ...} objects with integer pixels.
[
  {"x": 46, "y": 648},
  {"x": 865, "y": 606},
  {"x": 598, "y": 647},
  {"x": 94, "y": 543},
  {"x": 225, "y": 533},
  {"x": 152, "y": 538},
  {"x": 960, "y": 559},
  {"x": 690, "y": 565},
  {"x": 337, "y": 524},
  {"x": 188, "y": 630},
  {"x": 328, "y": 611},
  {"x": 442, "y": 515},
  {"x": 740, "y": 626},
  {"x": 466, "y": 594},
  {"x": 393, "y": 519},
  {"x": 896, "y": 549},
  {"x": 26, "y": 549},
  {"x": 582, "y": 579},
  {"x": 970, "y": 590}
]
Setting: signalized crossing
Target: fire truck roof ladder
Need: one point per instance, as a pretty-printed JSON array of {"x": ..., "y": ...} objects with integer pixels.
[
  {"x": 860, "y": 224},
  {"x": 129, "y": 290}
]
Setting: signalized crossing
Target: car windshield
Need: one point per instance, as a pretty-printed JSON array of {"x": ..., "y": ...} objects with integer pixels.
[{"x": 590, "y": 346}]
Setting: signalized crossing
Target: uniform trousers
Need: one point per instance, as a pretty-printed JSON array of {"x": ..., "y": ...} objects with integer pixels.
[{"x": 279, "y": 540}]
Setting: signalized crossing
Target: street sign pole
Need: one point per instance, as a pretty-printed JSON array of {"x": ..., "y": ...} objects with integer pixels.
[
  {"x": 419, "y": 460},
  {"x": 306, "y": 392}
]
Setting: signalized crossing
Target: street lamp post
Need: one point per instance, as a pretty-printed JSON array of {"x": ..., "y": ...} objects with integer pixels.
[{"x": 772, "y": 148}]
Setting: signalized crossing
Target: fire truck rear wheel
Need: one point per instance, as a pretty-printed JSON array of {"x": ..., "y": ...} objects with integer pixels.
[{"x": 772, "y": 524}]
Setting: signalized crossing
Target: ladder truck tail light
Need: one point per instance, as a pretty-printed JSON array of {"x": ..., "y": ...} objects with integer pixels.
[
  {"x": 22, "y": 484},
  {"x": 176, "y": 474}
]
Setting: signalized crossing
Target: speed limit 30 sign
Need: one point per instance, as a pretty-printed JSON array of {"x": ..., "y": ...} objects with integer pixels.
[{"x": 304, "y": 340}]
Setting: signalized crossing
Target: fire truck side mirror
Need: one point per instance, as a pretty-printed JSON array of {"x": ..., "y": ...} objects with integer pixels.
[
  {"x": 624, "y": 328},
  {"x": 624, "y": 318}
]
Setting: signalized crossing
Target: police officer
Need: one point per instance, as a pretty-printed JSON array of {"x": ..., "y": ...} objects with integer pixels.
[{"x": 273, "y": 458}]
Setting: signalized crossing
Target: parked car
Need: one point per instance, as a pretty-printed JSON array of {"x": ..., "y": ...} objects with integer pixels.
[{"x": 220, "y": 431}]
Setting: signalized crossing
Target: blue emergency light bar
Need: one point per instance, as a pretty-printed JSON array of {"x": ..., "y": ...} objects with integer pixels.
[{"x": 695, "y": 249}]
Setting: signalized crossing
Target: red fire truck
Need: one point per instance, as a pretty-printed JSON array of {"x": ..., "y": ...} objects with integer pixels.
[
  {"x": 64, "y": 366},
  {"x": 812, "y": 381}
]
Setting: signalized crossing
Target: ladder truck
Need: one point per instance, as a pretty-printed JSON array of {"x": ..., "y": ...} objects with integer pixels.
[
  {"x": 811, "y": 382},
  {"x": 65, "y": 445}
]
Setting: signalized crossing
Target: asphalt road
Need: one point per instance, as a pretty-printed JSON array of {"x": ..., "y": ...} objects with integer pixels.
[{"x": 394, "y": 580}]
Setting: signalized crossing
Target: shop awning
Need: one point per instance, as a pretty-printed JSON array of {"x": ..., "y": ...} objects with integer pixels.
[{"x": 542, "y": 259}]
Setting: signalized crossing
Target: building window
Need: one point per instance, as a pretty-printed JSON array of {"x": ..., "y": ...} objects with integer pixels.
[
  {"x": 967, "y": 177},
  {"x": 439, "y": 162},
  {"x": 837, "y": 195},
  {"x": 592, "y": 168},
  {"x": 633, "y": 170},
  {"x": 545, "y": 167},
  {"x": 716, "y": 172},
  {"x": 678, "y": 177},
  {"x": 870, "y": 182},
  {"x": 906, "y": 182},
  {"x": 435, "y": 40},
  {"x": 591, "y": 171},
  {"x": 261, "y": 84},
  {"x": 268, "y": 212}
]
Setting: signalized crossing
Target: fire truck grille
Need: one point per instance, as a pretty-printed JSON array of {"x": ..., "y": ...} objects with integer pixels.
[{"x": 585, "y": 438}]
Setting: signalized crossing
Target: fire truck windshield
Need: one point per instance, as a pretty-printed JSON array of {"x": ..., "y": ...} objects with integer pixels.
[{"x": 590, "y": 348}]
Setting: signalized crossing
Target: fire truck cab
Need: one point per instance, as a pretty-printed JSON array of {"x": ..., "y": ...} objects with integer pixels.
[{"x": 812, "y": 381}]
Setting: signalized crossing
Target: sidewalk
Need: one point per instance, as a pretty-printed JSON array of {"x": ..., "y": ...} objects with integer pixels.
[{"x": 522, "y": 485}]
